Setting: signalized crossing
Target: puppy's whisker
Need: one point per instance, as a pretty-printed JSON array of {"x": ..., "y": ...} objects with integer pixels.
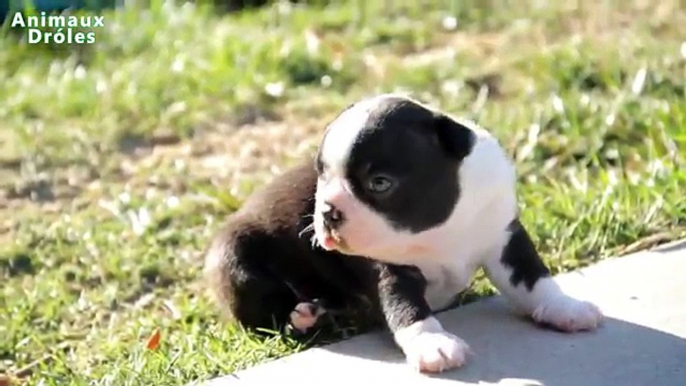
[{"x": 306, "y": 229}]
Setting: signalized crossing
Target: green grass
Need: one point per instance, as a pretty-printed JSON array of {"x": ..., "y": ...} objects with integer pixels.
[{"x": 119, "y": 160}]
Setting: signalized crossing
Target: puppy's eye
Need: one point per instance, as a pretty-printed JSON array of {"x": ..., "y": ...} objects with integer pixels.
[
  {"x": 319, "y": 165},
  {"x": 379, "y": 184}
]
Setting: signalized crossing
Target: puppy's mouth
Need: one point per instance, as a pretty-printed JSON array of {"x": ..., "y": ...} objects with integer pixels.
[{"x": 332, "y": 240}]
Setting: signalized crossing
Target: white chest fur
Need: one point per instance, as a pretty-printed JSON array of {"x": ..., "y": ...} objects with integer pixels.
[
  {"x": 445, "y": 281},
  {"x": 450, "y": 272}
]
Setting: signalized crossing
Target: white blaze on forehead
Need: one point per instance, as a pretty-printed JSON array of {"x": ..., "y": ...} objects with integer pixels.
[
  {"x": 344, "y": 130},
  {"x": 340, "y": 137}
]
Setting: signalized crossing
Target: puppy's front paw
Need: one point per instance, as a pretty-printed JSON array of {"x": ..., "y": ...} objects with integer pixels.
[
  {"x": 568, "y": 314},
  {"x": 305, "y": 316},
  {"x": 436, "y": 351}
]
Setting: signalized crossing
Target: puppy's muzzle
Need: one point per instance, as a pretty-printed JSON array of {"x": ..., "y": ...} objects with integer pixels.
[{"x": 333, "y": 218}]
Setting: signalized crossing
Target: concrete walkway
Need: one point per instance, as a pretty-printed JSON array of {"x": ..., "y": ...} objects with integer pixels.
[{"x": 641, "y": 343}]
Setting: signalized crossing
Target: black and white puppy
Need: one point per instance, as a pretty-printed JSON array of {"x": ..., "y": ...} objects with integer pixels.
[{"x": 400, "y": 207}]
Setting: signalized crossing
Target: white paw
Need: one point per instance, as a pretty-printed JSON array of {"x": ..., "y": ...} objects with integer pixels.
[
  {"x": 305, "y": 315},
  {"x": 568, "y": 314},
  {"x": 434, "y": 352}
]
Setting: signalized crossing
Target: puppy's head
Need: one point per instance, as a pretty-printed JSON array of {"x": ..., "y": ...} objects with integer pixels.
[{"x": 388, "y": 170}]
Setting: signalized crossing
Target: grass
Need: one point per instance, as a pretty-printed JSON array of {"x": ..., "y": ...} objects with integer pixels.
[{"x": 119, "y": 160}]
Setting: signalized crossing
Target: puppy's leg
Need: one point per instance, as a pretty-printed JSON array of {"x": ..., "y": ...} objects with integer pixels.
[
  {"x": 523, "y": 278},
  {"x": 427, "y": 346}
]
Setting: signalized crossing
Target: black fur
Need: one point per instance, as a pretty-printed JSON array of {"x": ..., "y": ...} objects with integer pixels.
[
  {"x": 520, "y": 254},
  {"x": 401, "y": 295},
  {"x": 268, "y": 264}
]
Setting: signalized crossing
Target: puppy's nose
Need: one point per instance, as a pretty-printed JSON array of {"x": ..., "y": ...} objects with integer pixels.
[{"x": 332, "y": 216}]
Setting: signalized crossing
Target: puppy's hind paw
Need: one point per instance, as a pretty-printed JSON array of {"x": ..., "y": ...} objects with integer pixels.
[{"x": 305, "y": 315}]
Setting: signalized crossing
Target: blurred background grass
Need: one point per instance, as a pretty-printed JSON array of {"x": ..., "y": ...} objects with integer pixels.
[{"x": 118, "y": 160}]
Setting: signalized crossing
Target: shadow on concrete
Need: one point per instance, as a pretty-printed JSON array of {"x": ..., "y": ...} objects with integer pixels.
[
  {"x": 678, "y": 245},
  {"x": 512, "y": 350}
]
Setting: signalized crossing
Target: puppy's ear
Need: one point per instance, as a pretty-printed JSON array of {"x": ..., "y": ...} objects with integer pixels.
[{"x": 454, "y": 138}]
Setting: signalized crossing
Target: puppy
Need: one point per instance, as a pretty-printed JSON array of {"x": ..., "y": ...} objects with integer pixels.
[{"x": 399, "y": 208}]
